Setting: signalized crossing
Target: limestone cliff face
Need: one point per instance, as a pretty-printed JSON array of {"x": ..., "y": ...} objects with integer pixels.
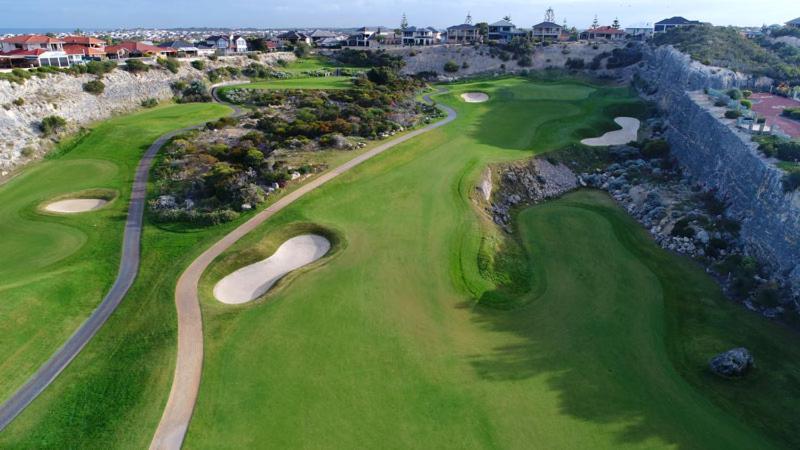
[
  {"x": 724, "y": 159},
  {"x": 63, "y": 95}
]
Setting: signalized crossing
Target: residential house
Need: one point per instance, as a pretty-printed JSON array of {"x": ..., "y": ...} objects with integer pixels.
[
  {"x": 87, "y": 47},
  {"x": 639, "y": 32},
  {"x": 793, "y": 23},
  {"x": 133, "y": 49},
  {"x": 293, "y": 37},
  {"x": 182, "y": 48},
  {"x": 319, "y": 35},
  {"x": 547, "y": 31},
  {"x": 331, "y": 42},
  {"x": 420, "y": 36},
  {"x": 607, "y": 33},
  {"x": 35, "y": 50},
  {"x": 368, "y": 37},
  {"x": 673, "y": 22},
  {"x": 463, "y": 34},
  {"x": 228, "y": 45},
  {"x": 504, "y": 32}
]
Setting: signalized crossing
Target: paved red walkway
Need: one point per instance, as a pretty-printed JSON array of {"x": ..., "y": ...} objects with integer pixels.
[{"x": 771, "y": 106}]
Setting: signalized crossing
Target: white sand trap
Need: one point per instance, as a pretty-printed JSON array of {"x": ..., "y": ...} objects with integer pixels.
[
  {"x": 628, "y": 133},
  {"x": 475, "y": 97},
  {"x": 75, "y": 205},
  {"x": 251, "y": 282}
]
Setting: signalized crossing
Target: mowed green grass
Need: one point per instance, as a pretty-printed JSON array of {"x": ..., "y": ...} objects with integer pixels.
[
  {"x": 300, "y": 83},
  {"x": 384, "y": 345},
  {"x": 54, "y": 269}
]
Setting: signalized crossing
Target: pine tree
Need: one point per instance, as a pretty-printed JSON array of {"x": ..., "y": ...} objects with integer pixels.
[
  {"x": 404, "y": 22},
  {"x": 507, "y": 18},
  {"x": 615, "y": 25},
  {"x": 595, "y": 23}
]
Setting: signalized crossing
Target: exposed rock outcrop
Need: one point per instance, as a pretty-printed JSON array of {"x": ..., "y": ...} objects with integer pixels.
[
  {"x": 733, "y": 363},
  {"x": 529, "y": 183},
  {"x": 63, "y": 95},
  {"x": 724, "y": 160}
]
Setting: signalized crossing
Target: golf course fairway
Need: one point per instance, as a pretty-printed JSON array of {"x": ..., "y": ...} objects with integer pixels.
[
  {"x": 429, "y": 328},
  {"x": 386, "y": 345},
  {"x": 56, "y": 268}
]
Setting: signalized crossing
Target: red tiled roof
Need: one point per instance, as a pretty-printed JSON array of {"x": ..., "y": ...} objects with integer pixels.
[
  {"x": 83, "y": 40},
  {"x": 22, "y": 52},
  {"x": 605, "y": 30},
  {"x": 32, "y": 39},
  {"x": 138, "y": 47},
  {"x": 77, "y": 49}
]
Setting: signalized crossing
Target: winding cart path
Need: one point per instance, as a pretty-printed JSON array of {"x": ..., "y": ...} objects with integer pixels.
[{"x": 189, "y": 366}]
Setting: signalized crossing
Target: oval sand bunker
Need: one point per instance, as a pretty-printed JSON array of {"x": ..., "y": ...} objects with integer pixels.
[
  {"x": 475, "y": 97},
  {"x": 628, "y": 133},
  {"x": 251, "y": 282},
  {"x": 75, "y": 205}
]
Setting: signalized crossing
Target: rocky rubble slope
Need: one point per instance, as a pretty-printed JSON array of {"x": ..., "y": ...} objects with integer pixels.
[
  {"x": 63, "y": 95},
  {"x": 723, "y": 160}
]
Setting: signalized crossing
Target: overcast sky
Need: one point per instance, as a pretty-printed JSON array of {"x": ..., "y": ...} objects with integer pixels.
[{"x": 352, "y": 13}]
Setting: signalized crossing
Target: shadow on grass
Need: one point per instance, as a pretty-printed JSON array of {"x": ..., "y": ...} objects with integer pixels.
[{"x": 622, "y": 331}]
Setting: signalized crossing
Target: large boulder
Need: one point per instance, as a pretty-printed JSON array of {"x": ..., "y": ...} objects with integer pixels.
[{"x": 733, "y": 363}]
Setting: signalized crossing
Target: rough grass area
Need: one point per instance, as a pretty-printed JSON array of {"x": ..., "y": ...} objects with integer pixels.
[
  {"x": 331, "y": 82},
  {"x": 55, "y": 269}
]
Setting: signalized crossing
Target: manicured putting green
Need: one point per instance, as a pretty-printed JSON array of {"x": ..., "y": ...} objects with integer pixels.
[{"x": 55, "y": 268}]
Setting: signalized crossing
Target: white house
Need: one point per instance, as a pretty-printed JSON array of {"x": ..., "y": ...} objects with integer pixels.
[
  {"x": 640, "y": 31},
  {"x": 228, "y": 45},
  {"x": 793, "y": 23},
  {"x": 36, "y": 50},
  {"x": 421, "y": 36},
  {"x": 547, "y": 31}
]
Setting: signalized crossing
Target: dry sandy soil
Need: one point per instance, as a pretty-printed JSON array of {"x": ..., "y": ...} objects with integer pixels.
[
  {"x": 251, "y": 282},
  {"x": 475, "y": 97},
  {"x": 628, "y": 133},
  {"x": 75, "y": 205}
]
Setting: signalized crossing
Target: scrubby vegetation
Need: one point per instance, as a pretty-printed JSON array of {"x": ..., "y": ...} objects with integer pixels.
[
  {"x": 365, "y": 58},
  {"x": 190, "y": 92},
  {"x": 198, "y": 64},
  {"x": 95, "y": 87},
  {"x": 792, "y": 113},
  {"x": 136, "y": 66},
  {"x": 451, "y": 66},
  {"x": 149, "y": 102},
  {"x": 170, "y": 64},
  {"x": 207, "y": 178},
  {"x": 52, "y": 124},
  {"x": 726, "y": 47}
]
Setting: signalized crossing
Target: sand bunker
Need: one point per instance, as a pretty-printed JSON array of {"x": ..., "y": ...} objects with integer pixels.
[
  {"x": 628, "y": 133},
  {"x": 475, "y": 97},
  {"x": 251, "y": 282},
  {"x": 75, "y": 205}
]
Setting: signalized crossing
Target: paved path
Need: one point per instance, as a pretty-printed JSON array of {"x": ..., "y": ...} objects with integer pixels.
[
  {"x": 189, "y": 366},
  {"x": 129, "y": 267}
]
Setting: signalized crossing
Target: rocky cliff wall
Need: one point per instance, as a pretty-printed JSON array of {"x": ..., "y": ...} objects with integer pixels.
[
  {"x": 63, "y": 95},
  {"x": 725, "y": 160}
]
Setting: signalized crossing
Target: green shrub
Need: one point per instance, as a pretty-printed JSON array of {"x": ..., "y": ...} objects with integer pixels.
[
  {"x": 18, "y": 102},
  {"x": 746, "y": 93},
  {"x": 735, "y": 94},
  {"x": 574, "y": 63},
  {"x": 792, "y": 113},
  {"x": 99, "y": 68},
  {"x": 95, "y": 87},
  {"x": 198, "y": 64},
  {"x": 746, "y": 103},
  {"x": 136, "y": 66},
  {"x": 170, "y": 64},
  {"x": 733, "y": 114},
  {"x": 451, "y": 66},
  {"x": 655, "y": 149},
  {"x": 52, "y": 124},
  {"x": 149, "y": 102},
  {"x": 791, "y": 181}
]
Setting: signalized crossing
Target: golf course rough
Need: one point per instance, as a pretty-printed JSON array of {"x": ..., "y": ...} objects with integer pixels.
[
  {"x": 605, "y": 344},
  {"x": 253, "y": 281}
]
